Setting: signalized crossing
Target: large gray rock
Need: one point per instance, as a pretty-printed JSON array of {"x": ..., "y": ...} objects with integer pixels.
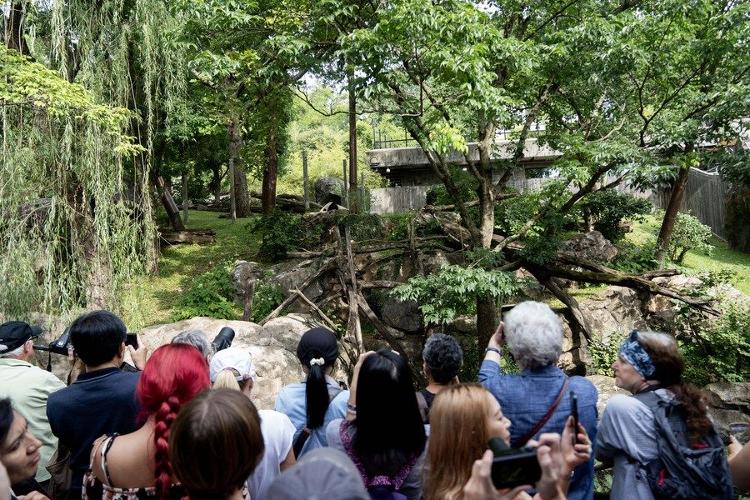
[
  {"x": 329, "y": 189},
  {"x": 616, "y": 310},
  {"x": 402, "y": 315},
  {"x": 243, "y": 276},
  {"x": 607, "y": 388},
  {"x": 291, "y": 274},
  {"x": 590, "y": 246},
  {"x": 272, "y": 347}
]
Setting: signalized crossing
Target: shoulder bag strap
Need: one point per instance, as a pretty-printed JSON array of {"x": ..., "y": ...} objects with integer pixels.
[{"x": 538, "y": 426}]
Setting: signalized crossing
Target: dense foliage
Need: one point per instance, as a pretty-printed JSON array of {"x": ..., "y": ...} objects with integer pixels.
[{"x": 689, "y": 234}]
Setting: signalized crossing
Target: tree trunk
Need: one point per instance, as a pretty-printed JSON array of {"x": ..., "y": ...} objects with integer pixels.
[
  {"x": 354, "y": 201},
  {"x": 270, "y": 170},
  {"x": 173, "y": 211},
  {"x": 670, "y": 216},
  {"x": 239, "y": 180},
  {"x": 486, "y": 319},
  {"x": 14, "y": 36}
]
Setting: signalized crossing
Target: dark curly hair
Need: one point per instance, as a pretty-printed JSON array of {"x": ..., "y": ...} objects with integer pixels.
[
  {"x": 443, "y": 356},
  {"x": 669, "y": 370}
]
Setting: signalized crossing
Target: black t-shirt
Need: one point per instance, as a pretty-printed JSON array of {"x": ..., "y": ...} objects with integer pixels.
[{"x": 100, "y": 402}]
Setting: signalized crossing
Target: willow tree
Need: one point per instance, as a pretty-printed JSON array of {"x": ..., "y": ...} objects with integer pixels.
[
  {"x": 70, "y": 228},
  {"x": 81, "y": 136}
]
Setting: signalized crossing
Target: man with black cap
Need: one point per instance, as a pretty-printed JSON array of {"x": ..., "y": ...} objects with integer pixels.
[{"x": 28, "y": 386}]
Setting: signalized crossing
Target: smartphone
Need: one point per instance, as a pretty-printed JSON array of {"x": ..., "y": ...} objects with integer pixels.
[
  {"x": 132, "y": 340},
  {"x": 738, "y": 430},
  {"x": 574, "y": 414},
  {"x": 516, "y": 468}
]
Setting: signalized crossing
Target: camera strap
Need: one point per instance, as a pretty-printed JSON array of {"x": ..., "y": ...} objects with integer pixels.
[{"x": 551, "y": 411}]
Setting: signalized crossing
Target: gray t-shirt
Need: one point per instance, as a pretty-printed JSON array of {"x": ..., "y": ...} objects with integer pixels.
[{"x": 628, "y": 437}]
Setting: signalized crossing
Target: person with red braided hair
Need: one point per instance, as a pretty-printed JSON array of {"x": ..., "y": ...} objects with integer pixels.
[{"x": 137, "y": 465}]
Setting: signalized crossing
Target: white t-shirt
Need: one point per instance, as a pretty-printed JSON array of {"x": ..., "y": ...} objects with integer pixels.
[{"x": 278, "y": 432}]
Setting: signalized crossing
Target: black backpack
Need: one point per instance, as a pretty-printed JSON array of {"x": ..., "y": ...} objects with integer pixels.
[{"x": 681, "y": 471}]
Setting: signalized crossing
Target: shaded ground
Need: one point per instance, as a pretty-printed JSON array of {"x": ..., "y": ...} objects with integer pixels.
[{"x": 150, "y": 299}]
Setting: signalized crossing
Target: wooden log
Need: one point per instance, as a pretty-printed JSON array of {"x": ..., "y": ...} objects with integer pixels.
[
  {"x": 327, "y": 266},
  {"x": 198, "y": 237},
  {"x": 384, "y": 330},
  {"x": 315, "y": 308},
  {"x": 352, "y": 292}
]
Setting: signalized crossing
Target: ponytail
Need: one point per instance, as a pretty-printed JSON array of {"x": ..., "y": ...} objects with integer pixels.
[
  {"x": 316, "y": 396},
  {"x": 226, "y": 380},
  {"x": 164, "y": 417}
]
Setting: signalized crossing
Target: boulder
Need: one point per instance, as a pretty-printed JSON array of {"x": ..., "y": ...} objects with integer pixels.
[
  {"x": 590, "y": 246},
  {"x": 329, "y": 190},
  {"x": 615, "y": 309},
  {"x": 402, "y": 315},
  {"x": 607, "y": 388},
  {"x": 272, "y": 346},
  {"x": 292, "y": 274},
  {"x": 243, "y": 275}
]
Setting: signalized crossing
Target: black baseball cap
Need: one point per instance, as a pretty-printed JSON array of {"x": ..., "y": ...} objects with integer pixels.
[{"x": 13, "y": 334}]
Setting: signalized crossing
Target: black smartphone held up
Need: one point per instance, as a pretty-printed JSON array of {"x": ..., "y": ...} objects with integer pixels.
[
  {"x": 574, "y": 414},
  {"x": 513, "y": 467},
  {"x": 132, "y": 340}
]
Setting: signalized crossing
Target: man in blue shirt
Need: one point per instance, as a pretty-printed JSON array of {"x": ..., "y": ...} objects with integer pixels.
[
  {"x": 533, "y": 334},
  {"x": 102, "y": 400}
]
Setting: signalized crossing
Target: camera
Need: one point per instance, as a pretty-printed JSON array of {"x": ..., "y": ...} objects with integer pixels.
[
  {"x": 223, "y": 339},
  {"x": 60, "y": 346},
  {"x": 513, "y": 466}
]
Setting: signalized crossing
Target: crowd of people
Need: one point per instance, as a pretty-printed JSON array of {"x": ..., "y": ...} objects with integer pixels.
[{"x": 181, "y": 423}]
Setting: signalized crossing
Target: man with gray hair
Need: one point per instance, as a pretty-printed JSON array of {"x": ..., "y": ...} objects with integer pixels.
[
  {"x": 539, "y": 398},
  {"x": 197, "y": 339},
  {"x": 28, "y": 386}
]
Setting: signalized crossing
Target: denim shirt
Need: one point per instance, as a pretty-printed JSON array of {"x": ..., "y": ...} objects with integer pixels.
[
  {"x": 292, "y": 402},
  {"x": 525, "y": 399}
]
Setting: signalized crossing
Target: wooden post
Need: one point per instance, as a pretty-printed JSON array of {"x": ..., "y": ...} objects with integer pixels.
[
  {"x": 353, "y": 198},
  {"x": 232, "y": 152},
  {"x": 185, "y": 197},
  {"x": 345, "y": 199},
  {"x": 305, "y": 180}
]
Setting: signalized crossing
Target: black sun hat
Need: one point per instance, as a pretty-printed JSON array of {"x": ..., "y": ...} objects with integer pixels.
[{"x": 13, "y": 334}]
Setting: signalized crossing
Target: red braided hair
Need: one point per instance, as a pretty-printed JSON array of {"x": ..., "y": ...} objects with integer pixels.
[{"x": 173, "y": 375}]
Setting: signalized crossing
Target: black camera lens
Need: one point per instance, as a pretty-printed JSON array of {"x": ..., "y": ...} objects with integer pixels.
[{"x": 223, "y": 339}]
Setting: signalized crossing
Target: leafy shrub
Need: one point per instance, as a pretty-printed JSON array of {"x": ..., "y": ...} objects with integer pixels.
[
  {"x": 467, "y": 185},
  {"x": 636, "y": 259},
  {"x": 211, "y": 294},
  {"x": 267, "y": 298},
  {"x": 453, "y": 291},
  {"x": 608, "y": 208},
  {"x": 719, "y": 351},
  {"x": 283, "y": 232},
  {"x": 604, "y": 353},
  {"x": 689, "y": 234}
]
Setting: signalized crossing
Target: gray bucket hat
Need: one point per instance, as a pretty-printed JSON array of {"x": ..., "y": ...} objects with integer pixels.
[{"x": 321, "y": 474}]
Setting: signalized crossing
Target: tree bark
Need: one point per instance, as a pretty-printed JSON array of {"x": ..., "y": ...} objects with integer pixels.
[
  {"x": 486, "y": 319},
  {"x": 670, "y": 215},
  {"x": 173, "y": 211},
  {"x": 239, "y": 180},
  {"x": 354, "y": 201},
  {"x": 14, "y": 36},
  {"x": 270, "y": 169}
]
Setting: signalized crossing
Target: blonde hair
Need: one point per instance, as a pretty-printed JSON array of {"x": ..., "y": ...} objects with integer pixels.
[
  {"x": 227, "y": 379},
  {"x": 458, "y": 436}
]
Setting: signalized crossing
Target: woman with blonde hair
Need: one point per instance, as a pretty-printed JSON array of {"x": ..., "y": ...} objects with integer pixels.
[
  {"x": 232, "y": 368},
  {"x": 463, "y": 419}
]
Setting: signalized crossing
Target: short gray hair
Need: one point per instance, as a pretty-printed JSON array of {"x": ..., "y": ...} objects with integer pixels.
[
  {"x": 15, "y": 353},
  {"x": 197, "y": 339},
  {"x": 533, "y": 333}
]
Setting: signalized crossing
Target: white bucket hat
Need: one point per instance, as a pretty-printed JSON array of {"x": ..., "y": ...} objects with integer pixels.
[{"x": 232, "y": 358}]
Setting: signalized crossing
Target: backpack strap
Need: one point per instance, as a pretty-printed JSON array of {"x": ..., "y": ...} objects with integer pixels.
[{"x": 551, "y": 411}]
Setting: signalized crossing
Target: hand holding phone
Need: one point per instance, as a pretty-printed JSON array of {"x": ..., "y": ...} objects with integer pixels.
[{"x": 513, "y": 467}]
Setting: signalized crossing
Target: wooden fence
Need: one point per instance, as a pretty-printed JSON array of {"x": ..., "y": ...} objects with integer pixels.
[{"x": 705, "y": 197}]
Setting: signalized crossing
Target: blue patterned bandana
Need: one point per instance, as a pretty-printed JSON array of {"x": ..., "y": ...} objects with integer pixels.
[{"x": 632, "y": 352}]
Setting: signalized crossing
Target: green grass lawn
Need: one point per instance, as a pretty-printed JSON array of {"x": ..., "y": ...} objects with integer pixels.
[
  {"x": 722, "y": 258},
  {"x": 150, "y": 299}
]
